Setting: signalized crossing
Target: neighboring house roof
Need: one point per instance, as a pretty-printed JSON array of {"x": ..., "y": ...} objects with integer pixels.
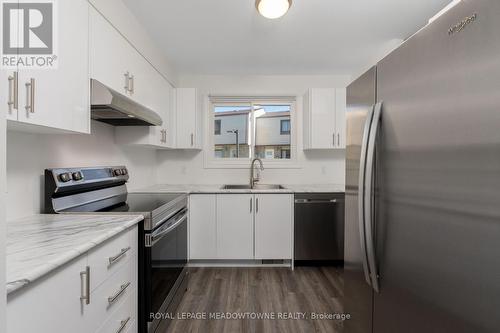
[
  {"x": 231, "y": 113},
  {"x": 275, "y": 114}
]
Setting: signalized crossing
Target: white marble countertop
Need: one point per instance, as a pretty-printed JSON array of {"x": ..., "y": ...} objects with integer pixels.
[
  {"x": 217, "y": 188},
  {"x": 38, "y": 244}
]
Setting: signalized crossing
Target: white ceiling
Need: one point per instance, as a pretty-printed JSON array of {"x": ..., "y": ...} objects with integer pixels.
[{"x": 315, "y": 37}]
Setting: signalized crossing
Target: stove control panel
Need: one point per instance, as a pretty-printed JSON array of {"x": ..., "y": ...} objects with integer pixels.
[{"x": 68, "y": 177}]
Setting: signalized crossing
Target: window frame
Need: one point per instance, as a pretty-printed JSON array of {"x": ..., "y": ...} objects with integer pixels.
[{"x": 211, "y": 162}]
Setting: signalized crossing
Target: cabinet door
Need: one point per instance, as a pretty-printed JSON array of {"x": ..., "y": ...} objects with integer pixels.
[
  {"x": 61, "y": 95},
  {"x": 53, "y": 304},
  {"x": 145, "y": 81},
  {"x": 323, "y": 118},
  {"x": 203, "y": 226},
  {"x": 110, "y": 53},
  {"x": 187, "y": 104},
  {"x": 340, "y": 122},
  {"x": 273, "y": 226},
  {"x": 235, "y": 226}
]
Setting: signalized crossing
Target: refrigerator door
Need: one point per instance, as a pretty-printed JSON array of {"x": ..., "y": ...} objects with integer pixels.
[
  {"x": 361, "y": 96},
  {"x": 438, "y": 194}
]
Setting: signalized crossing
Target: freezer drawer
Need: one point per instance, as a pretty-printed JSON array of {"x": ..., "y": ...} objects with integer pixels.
[{"x": 319, "y": 228}]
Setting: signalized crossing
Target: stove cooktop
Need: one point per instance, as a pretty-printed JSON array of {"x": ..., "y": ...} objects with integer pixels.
[{"x": 146, "y": 202}]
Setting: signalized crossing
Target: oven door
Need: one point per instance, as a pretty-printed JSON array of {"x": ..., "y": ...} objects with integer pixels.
[{"x": 166, "y": 259}]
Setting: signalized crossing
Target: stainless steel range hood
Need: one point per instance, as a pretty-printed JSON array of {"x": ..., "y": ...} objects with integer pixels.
[{"x": 111, "y": 107}]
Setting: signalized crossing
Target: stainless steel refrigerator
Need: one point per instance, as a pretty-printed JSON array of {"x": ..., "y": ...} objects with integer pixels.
[{"x": 422, "y": 233}]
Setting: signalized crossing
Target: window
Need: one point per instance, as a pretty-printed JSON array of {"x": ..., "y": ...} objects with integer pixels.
[
  {"x": 285, "y": 126},
  {"x": 231, "y": 129},
  {"x": 250, "y": 129},
  {"x": 217, "y": 126}
]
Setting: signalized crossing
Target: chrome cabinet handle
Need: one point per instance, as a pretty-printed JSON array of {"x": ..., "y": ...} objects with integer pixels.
[
  {"x": 361, "y": 194},
  {"x": 192, "y": 139},
  {"x": 161, "y": 233},
  {"x": 131, "y": 84},
  {"x": 368, "y": 201},
  {"x": 123, "y": 287},
  {"x": 30, "y": 96},
  {"x": 117, "y": 257},
  {"x": 127, "y": 82},
  {"x": 85, "y": 292},
  {"x": 13, "y": 91},
  {"x": 123, "y": 323},
  {"x": 310, "y": 201},
  {"x": 256, "y": 205},
  {"x": 338, "y": 139},
  {"x": 251, "y": 204}
]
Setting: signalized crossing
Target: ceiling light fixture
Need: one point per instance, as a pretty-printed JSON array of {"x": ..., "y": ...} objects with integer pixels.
[{"x": 273, "y": 9}]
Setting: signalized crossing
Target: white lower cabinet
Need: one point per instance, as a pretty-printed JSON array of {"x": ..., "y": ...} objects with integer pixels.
[
  {"x": 57, "y": 303},
  {"x": 273, "y": 226},
  {"x": 240, "y": 226},
  {"x": 235, "y": 226},
  {"x": 51, "y": 305},
  {"x": 203, "y": 226}
]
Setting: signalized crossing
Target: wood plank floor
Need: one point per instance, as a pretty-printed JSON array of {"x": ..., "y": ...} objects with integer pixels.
[{"x": 261, "y": 290}]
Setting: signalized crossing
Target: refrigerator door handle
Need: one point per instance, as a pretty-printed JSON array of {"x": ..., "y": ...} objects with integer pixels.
[
  {"x": 361, "y": 195},
  {"x": 369, "y": 198}
]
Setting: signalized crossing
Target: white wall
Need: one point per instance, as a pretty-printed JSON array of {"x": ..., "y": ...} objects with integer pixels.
[
  {"x": 28, "y": 155},
  {"x": 315, "y": 167}
]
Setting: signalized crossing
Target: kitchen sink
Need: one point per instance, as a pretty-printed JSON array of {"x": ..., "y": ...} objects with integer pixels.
[{"x": 256, "y": 187}]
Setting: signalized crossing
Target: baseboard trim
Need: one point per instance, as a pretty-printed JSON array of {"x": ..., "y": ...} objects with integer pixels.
[{"x": 240, "y": 263}]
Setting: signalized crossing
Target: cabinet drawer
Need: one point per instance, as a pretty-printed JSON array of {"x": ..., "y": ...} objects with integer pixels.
[
  {"x": 108, "y": 258},
  {"x": 111, "y": 294},
  {"x": 123, "y": 317}
]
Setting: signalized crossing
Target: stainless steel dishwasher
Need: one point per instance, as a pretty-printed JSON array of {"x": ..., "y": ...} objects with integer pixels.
[{"x": 319, "y": 229}]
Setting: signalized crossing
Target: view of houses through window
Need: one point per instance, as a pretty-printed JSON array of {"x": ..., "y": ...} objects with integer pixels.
[{"x": 252, "y": 130}]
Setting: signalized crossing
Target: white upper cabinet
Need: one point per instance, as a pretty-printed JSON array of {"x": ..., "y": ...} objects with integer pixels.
[
  {"x": 324, "y": 118},
  {"x": 111, "y": 55},
  {"x": 188, "y": 118},
  {"x": 57, "y": 98},
  {"x": 118, "y": 65},
  {"x": 159, "y": 137},
  {"x": 273, "y": 226}
]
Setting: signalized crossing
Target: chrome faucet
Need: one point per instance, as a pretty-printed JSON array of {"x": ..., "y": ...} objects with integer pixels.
[{"x": 254, "y": 179}]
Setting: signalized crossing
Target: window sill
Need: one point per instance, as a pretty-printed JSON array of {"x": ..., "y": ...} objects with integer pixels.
[{"x": 268, "y": 164}]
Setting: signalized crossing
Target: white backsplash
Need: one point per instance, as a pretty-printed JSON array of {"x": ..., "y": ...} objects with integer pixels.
[{"x": 28, "y": 155}]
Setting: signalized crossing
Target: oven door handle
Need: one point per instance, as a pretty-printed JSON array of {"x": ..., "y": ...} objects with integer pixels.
[{"x": 155, "y": 237}]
